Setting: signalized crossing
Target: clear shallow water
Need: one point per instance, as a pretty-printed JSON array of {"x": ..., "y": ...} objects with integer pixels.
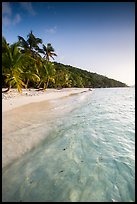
[{"x": 89, "y": 154}]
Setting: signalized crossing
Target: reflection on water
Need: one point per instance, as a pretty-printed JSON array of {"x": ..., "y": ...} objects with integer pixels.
[{"x": 87, "y": 156}]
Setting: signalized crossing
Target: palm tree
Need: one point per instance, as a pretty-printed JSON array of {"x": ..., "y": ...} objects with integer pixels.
[
  {"x": 47, "y": 73},
  {"x": 30, "y": 45},
  {"x": 12, "y": 67},
  {"x": 30, "y": 71},
  {"x": 22, "y": 63},
  {"x": 62, "y": 79},
  {"x": 48, "y": 51}
]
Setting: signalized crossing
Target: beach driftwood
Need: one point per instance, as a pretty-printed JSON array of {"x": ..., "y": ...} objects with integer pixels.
[{"x": 6, "y": 90}]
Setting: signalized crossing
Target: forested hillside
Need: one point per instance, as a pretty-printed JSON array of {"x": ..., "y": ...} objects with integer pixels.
[
  {"x": 69, "y": 76},
  {"x": 26, "y": 65}
]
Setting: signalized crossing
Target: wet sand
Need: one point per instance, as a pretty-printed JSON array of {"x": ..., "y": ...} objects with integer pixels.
[{"x": 21, "y": 116}]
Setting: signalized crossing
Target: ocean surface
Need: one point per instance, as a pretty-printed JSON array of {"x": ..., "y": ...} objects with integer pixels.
[{"x": 88, "y": 153}]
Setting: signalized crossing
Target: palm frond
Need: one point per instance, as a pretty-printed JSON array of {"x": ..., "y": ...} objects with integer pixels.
[{"x": 22, "y": 42}]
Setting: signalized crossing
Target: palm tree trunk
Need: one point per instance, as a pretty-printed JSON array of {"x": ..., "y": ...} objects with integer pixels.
[
  {"x": 44, "y": 88},
  {"x": 39, "y": 84},
  {"x": 27, "y": 83},
  {"x": 47, "y": 84}
]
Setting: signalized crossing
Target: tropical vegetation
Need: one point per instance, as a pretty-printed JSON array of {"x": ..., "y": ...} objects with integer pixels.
[{"x": 27, "y": 64}]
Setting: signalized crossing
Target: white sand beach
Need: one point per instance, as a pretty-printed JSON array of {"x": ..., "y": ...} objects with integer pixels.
[
  {"x": 20, "y": 111},
  {"x": 13, "y": 99}
]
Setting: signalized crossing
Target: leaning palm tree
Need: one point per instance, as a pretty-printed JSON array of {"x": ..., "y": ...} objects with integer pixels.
[
  {"x": 12, "y": 67},
  {"x": 48, "y": 51}
]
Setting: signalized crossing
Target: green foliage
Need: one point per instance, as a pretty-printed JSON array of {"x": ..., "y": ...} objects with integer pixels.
[
  {"x": 30, "y": 45},
  {"x": 12, "y": 66},
  {"x": 82, "y": 78},
  {"x": 48, "y": 51},
  {"x": 47, "y": 74},
  {"x": 23, "y": 66}
]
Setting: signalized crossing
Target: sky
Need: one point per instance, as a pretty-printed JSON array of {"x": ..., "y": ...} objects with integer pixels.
[{"x": 95, "y": 36}]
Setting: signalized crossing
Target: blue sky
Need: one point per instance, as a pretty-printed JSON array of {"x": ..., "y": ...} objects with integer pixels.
[{"x": 98, "y": 37}]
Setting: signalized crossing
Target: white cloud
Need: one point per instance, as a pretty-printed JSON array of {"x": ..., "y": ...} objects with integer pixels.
[
  {"x": 28, "y": 7},
  {"x": 8, "y": 17},
  {"x": 6, "y": 21},
  {"x": 6, "y": 8},
  {"x": 51, "y": 30},
  {"x": 17, "y": 19}
]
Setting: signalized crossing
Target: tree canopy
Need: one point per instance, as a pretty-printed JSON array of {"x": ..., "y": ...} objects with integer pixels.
[{"x": 24, "y": 66}]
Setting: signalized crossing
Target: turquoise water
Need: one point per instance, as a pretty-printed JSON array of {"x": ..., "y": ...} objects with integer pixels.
[{"x": 88, "y": 154}]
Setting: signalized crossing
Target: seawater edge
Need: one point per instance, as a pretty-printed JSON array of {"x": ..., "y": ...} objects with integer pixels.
[{"x": 16, "y": 119}]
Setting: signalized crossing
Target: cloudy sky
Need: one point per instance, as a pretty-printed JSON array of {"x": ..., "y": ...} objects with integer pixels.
[{"x": 98, "y": 37}]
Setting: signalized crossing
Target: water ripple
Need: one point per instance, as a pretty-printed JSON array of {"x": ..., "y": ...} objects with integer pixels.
[{"x": 88, "y": 156}]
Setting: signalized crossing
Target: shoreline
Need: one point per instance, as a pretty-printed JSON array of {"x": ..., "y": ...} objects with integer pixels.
[
  {"x": 13, "y": 99},
  {"x": 22, "y": 115}
]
